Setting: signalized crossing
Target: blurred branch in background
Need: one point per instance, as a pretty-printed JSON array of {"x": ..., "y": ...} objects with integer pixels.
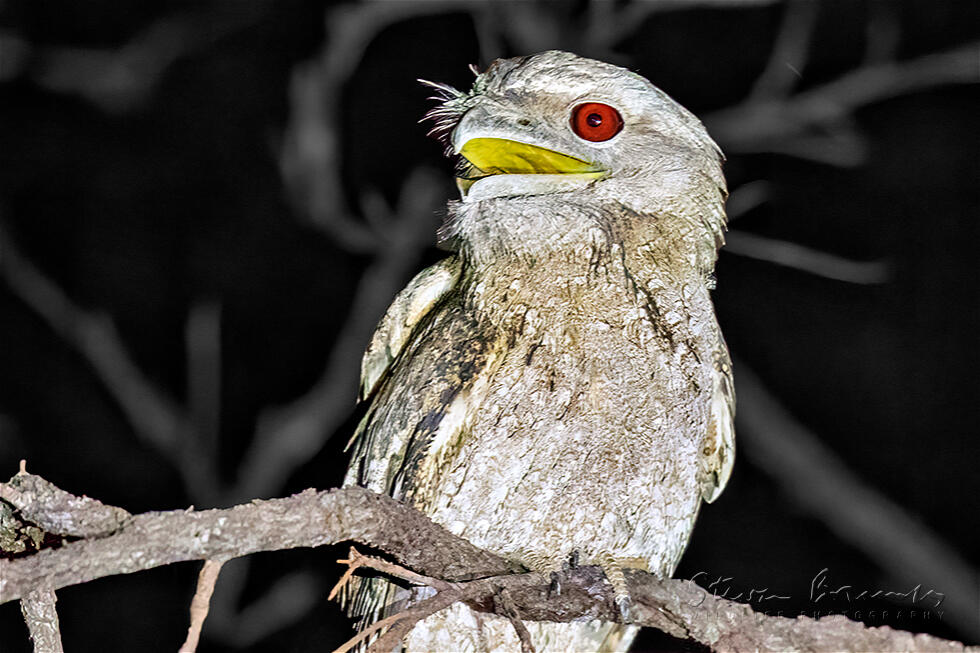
[
  {"x": 745, "y": 198},
  {"x": 610, "y": 23},
  {"x": 155, "y": 418},
  {"x": 121, "y": 79},
  {"x": 806, "y": 259},
  {"x": 311, "y": 159},
  {"x": 789, "y": 54},
  {"x": 817, "y": 124},
  {"x": 535, "y": 26},
  {"x": 202, "y": 340},
  {"x": 290, "y": 436},
  {"x": 882, "y": 34},
  {"x": 792, "y": 255},
  {"x": 815, "y": 478},
  {"x": 290, "y": 598}
]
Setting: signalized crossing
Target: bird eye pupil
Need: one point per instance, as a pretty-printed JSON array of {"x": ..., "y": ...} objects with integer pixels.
[{"x": 595, "y": 121}]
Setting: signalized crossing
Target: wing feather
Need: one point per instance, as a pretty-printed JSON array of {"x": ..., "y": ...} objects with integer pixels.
[
  {"x": 408, "y": 308},
  {"x": 718, "y": 453},
  {"x": 369, "y": 598},
  {"x": 409, "y": 397}
]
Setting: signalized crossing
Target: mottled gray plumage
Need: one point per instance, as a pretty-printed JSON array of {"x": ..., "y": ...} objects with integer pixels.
[{"x": 560, "y": 384}]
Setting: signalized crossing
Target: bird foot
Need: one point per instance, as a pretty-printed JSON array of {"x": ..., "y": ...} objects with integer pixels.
[
  {"x": 624, "y": 604},
  {"x": 614, "y": 570},
  {"x": 570, "y": 563},
  {"x": 612, "y": 566},
  {"x": 573, "y": 559},
  {"x": 554, "y": 589}
]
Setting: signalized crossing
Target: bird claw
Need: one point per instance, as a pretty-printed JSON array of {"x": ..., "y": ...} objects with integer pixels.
[
  {"x": 571, "y": 562},
  {"x": 614, "y": 569},
  {"x": 554, "y": 589},
  {"x": 624, "y": 604}
]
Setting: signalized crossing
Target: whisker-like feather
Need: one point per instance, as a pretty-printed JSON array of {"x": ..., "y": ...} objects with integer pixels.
[{"x": 446, "y": 114}]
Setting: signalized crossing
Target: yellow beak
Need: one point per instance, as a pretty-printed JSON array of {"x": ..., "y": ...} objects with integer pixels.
[{"x": 500, "y": 156}]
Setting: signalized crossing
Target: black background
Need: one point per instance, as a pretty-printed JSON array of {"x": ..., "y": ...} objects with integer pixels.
[{"x": 141, "y": 206}]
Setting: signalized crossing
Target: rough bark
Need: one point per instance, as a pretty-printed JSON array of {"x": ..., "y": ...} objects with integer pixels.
[{"x": 113, "y": 542}]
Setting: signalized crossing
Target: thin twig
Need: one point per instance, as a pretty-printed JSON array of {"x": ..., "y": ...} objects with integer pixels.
[
  {"x": 206, "y": 579},
  {"x": 41, "y": 616},
  {"x": 510, "y": 610},
  {"x": 368, "y": 631},
  {"x": 403, "y": 622},
  {"x": 355, "y": 560}
]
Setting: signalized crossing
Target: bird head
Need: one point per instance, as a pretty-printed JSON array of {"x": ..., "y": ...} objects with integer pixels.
[{"x": 555, "y": 129}]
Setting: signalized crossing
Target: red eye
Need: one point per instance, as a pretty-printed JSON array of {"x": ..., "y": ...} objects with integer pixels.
[{"x": 595, "y": 121}]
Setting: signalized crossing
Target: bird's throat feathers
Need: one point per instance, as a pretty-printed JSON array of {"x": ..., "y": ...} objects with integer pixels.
[{"x": 527, "y": 231}]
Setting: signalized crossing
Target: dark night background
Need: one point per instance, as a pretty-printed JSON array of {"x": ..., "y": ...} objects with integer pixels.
[{"x": 242, "y": 187}]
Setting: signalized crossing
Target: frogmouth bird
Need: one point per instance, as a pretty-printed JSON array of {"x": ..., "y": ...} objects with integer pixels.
[{"x": 559, "y": 385}]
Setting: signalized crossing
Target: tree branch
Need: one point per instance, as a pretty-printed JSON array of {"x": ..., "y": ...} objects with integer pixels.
[
  {"x": 201, "y": 602},
  {"x": 478, "y": 577},
  {"x": 60, "y": 512},
  {"x": 41, "y": 617},
  {"x": 307, "y": 519}
]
